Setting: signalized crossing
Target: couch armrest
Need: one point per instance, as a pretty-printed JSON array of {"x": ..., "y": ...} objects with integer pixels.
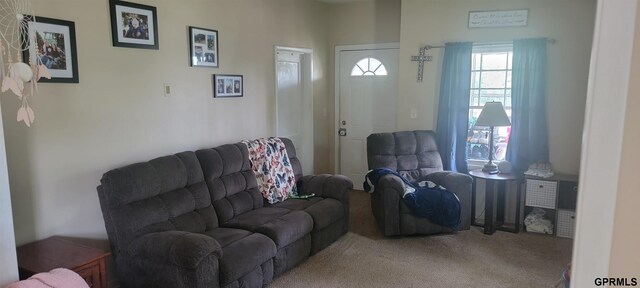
[
  {"x": 325, "y": 185},
  {"x": 460, "y": 184},
  {"x": 390, "y": 182},
  {"x": 177, "y": 248},
  {"x": 452, "y": 181},
  {"x": 385, "y": 203}
]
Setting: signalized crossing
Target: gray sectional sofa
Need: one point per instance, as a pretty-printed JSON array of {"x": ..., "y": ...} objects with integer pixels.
[{"x": 197, "y": 219}]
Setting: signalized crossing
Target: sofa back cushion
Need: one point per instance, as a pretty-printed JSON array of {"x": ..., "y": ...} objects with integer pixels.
[
  {"x": 166, "y": 193},
  {"x": 233, "y": 188},
  {"x": 414, "y": 154}
]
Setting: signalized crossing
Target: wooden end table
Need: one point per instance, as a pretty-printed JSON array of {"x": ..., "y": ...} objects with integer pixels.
[
  {"x": 62, "y": 252},
  {"x": 495, "y": 184}
]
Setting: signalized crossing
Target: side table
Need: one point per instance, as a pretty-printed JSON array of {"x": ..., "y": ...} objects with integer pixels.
[
  {"x": 61, "y": 252},
  {"x": 495, "y": 184}
]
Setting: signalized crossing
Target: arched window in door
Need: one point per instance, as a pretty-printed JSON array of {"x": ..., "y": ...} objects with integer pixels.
[{"x": 369, "y": 67}]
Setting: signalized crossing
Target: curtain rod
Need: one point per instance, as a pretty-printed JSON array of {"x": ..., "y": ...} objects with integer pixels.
[{"x": 428, "y": 47}]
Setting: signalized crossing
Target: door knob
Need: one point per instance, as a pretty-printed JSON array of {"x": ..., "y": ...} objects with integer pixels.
[{"x": 342, "y": 132}]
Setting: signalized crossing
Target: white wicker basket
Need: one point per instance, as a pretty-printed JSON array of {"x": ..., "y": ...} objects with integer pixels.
[
  {"x": 541, "y": 193},
  {"x": 566, "y": 223}
]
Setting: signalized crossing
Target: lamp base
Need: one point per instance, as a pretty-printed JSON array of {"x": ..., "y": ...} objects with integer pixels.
[{"x": 490, "y": 168}]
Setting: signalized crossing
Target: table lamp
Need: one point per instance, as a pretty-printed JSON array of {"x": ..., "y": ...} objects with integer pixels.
[{"x": 492, "y": 115}]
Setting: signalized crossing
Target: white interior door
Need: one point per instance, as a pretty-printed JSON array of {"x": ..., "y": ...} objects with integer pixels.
[
  {"x": 294, "y": 103},
  {"x": 368, "y": 88}
]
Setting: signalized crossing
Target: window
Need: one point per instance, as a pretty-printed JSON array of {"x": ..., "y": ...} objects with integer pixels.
[
  {"x": 490, "y": 81},
  {"x": 369, "y": 67}
]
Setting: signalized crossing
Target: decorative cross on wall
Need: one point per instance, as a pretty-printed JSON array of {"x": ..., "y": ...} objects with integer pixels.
[{"x": 421, "y": 59}]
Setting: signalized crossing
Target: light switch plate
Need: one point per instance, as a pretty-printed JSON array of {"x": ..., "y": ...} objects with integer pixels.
[{"x": 167, "y": 89}]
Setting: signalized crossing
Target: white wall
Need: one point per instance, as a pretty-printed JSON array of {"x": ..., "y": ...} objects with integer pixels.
[
  {"x": 570, "y": 22},
  {"x": 117, "y": 114},
  {"x": 8, "y": 262}
]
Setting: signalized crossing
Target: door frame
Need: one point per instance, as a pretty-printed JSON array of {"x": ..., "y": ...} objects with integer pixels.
[
  {"x": 338, "y": 49},
  {"x": 608, "y": 89},
  {"x": 306, "y": 73},
  {"x": 8, "y": 258}
]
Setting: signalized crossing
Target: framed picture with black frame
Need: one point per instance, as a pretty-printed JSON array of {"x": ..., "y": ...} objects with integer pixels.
[
  {"x": 203, "y": 47},
  {"x": 227, "y": 85},
  {"x": 134, "y": 25},
  {"x": 52, "y": 43}
]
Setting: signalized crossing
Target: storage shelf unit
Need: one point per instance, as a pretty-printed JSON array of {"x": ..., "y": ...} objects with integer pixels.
[{"x": 557, "y": 196}]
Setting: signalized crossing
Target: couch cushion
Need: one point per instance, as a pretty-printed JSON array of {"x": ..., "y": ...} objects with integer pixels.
[
  {"x": 283, "y": 226},
  {"x": 226, "y": 236},
  {"x": 323, "y": 211},
  {"x": 298, "y": 204},
  {"x": 242, "y": 252}
]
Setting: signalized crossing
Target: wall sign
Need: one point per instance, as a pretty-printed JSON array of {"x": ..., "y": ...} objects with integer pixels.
[{"x": 498, "y": 18}]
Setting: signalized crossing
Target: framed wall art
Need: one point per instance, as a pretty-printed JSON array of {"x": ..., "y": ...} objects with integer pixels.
[
  {"x": 203, "y": 47},
  {"x": 498, "y": 18},
  {"x": 134, "y": 25},
  {"x": 52, "y": 43},
  {"x": 227, "y": 85}
]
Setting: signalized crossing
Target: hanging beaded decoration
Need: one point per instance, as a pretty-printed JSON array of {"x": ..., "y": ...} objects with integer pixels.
[{"x": 14, "y": 18}]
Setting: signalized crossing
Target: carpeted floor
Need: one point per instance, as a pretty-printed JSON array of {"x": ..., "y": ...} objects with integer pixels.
[{"x": 364, "y": 258}]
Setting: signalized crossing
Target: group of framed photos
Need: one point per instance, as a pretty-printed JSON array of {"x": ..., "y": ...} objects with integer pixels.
[{"x": 52, "y": 43}]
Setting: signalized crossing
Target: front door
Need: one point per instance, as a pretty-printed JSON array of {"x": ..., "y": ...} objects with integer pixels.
[{"x": 368, "y": 88}]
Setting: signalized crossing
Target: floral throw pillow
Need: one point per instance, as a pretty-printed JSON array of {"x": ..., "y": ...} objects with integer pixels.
[{"x": 270, "y": 163}]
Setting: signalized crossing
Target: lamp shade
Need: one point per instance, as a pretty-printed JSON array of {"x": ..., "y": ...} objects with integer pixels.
[{"x": 492, "y": 115}]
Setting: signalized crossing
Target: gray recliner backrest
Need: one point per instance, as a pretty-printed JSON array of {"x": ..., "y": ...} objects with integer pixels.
[
  {"x": 165, "y": 194},
  {"x": 414, "y": 154},
  {"x": 232, "y": 184}
]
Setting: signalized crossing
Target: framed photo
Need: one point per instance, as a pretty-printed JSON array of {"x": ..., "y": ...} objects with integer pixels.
[
  {"x": 52, "y": 43},
  {"x": 203, "y": 47},
  {"x": 134, "y": 25},
  {"x": 227, "y": 85}
]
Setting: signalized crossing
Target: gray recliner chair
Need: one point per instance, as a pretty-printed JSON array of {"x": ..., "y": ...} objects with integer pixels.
[{"x": 415, "y": 156}]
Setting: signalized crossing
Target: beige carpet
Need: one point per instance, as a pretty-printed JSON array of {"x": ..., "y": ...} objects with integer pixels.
[{"x": 364, "y": 258}]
